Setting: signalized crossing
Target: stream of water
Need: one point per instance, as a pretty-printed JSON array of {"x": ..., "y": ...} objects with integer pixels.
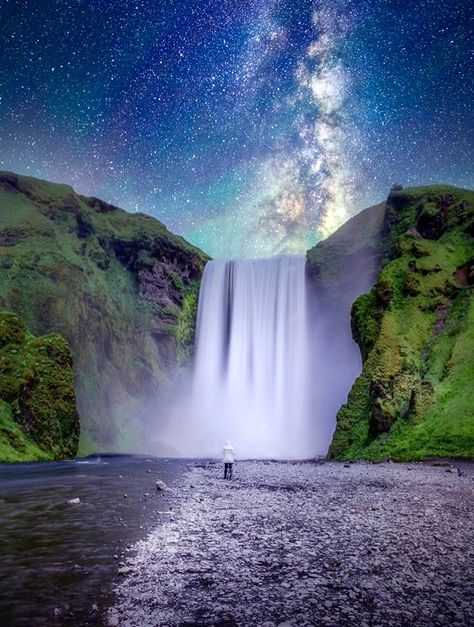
[{"x": 58, "y": 560}]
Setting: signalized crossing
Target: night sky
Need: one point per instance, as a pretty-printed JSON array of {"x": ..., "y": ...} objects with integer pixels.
[{"x": 249, "y": 127}]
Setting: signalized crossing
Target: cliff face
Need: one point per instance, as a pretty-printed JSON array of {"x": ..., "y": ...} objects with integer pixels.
[
  {"x": 119, "y": 287},
  {"x": 344, "y": 263},
  {"x": 415, "y": 329},
  {"x": 339, "y": 269},
  {"x": 38, "y": 416}
]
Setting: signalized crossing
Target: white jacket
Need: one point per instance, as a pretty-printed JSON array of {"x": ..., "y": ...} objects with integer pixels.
[{"x": 228, "y": 453}]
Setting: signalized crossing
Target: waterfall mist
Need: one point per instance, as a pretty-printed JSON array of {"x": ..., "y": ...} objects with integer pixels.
[{"x": 250, "y": 377}]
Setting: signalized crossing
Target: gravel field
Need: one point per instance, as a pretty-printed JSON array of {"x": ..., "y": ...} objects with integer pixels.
[{"x": 307, "y": 544}]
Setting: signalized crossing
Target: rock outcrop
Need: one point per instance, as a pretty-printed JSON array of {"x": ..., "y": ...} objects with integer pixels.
[
  {"x": 415, "y": 329},
  {"x": 119, "y": 287},
  {"x": 38, "y": 416}
]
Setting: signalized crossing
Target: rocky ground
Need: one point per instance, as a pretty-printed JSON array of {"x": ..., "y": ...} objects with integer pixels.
[{"x": 307, "y": 544}]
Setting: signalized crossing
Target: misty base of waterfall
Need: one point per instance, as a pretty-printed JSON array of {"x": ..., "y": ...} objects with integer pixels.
[{"x": 288, "y": 544}]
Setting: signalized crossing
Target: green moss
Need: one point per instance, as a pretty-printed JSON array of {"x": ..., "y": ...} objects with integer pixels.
[
  {"x": 36, "y": 381},
  {"x": 14, "y": 445},
  {"x": 415, "y": 329},
  {"x": 177, "y": 281},
  {"x": 12, "y": 329},
  {"x": 182, "y": 329},
  {"x": 365, "y": 316},
  {"x": 186, "y": 324},
  {"x": 352, "y": 422}
]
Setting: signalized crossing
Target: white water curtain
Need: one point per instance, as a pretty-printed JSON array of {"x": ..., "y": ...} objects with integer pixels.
[{"x": 250, "y": 378}]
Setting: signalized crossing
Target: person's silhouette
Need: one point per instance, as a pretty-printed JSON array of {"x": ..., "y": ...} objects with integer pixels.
[{"x": 229, "y": 457}]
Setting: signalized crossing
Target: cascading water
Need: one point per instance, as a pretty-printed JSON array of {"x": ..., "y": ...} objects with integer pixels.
[{"x": 250, "y": 379}]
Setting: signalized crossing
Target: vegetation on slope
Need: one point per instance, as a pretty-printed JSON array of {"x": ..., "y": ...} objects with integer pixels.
[
  {"x": 38, "y": 416},
  {"x": 415, "y": 395},
  {"x": 118, "y": 286}
]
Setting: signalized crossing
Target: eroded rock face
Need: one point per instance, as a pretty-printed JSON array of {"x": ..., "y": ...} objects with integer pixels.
[
  {"x": 119, "y": 287},
  {"x": 39, "y": 419},
  {"x": 162, "y": 278},
  {"x": 414, "y": 397}
]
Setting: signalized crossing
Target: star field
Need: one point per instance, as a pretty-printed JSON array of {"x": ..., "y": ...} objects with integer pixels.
[{"x": 251, "y": 127}]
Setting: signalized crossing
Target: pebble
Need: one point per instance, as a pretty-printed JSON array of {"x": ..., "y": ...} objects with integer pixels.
[
  {"x": 75, "y": 501},
  {"x": 299, "y": 544}
]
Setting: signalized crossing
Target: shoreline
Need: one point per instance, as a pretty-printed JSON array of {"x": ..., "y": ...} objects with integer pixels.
[{"x": 65, "y": 528}]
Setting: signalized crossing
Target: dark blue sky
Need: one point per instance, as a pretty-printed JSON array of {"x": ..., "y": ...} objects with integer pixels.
[{"x": 250, "y": 127}]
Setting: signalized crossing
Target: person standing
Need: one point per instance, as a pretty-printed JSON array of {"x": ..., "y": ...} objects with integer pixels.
[{"x": 229, "y": 457}]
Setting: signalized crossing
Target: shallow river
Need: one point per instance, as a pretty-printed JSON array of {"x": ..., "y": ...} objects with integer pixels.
[{"x": 58, "y": 560}]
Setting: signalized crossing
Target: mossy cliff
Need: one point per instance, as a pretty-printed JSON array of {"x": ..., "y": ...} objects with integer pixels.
[
  {"x": 119, "y": 287},
  {"x": 38, "y": 416},
  {"x": 415, "y": 329},
  {"x": 340, "y": 269}
]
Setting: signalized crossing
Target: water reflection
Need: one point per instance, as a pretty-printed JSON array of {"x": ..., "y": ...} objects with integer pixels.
[{"x": 58, "y": 559}]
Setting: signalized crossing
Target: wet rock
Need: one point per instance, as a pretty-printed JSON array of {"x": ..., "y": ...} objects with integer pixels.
[
  {"x": 161, "y": 486},
  {"x": 412, "y": 232},
  {"x": 75, "y": 501},
  {"x": 113, "y": 620}
]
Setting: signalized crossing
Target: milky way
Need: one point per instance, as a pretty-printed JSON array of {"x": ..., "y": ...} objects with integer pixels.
[{"x": 250, "y": 127}]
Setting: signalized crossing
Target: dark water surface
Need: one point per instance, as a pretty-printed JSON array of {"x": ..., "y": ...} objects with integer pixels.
[{"x": 58, "y": 560}]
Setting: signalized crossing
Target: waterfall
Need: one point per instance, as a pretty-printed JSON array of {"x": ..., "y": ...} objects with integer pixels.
[{"x": 250, "y": 373}]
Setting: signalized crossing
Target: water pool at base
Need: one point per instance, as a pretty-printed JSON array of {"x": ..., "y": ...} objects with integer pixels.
[{"x": 58, "y": 560}]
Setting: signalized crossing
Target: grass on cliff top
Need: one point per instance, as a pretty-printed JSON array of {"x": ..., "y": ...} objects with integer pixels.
[
  {"x": 104, "y": 218},
  {"x": 422, "y": 191}
]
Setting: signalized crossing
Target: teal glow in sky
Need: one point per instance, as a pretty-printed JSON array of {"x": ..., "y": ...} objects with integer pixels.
[{"x": 249, "y": 127}]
